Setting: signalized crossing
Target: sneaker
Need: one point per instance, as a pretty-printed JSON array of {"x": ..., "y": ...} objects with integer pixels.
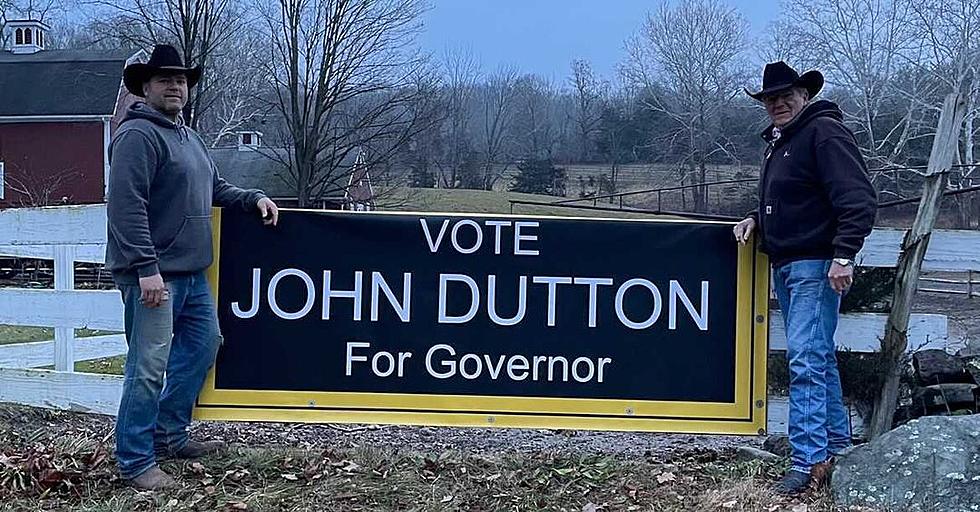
[
  {"x": 795, "y": 482},
  {"x": 153, "y": 479},
  {"x": 195, "y": 449}
]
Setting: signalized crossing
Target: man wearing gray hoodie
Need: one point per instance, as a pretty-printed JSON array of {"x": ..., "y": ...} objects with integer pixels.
[{"x": 162, "y": 185}]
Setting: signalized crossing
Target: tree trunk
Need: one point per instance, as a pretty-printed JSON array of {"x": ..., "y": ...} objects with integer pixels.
[
  {"x": 703, "y": 189},
  {"x": 963, "y": 203},
  {"x": 895, "y": 342}
]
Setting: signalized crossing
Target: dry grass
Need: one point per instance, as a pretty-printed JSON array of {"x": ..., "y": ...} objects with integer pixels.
[
  {"x": 373, "y": 478},
  {"x": 58, "y": 461}
]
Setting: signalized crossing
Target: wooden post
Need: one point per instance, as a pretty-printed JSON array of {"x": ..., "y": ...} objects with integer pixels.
[
  {"x": 64, "y": 279},
  {"x": 894, "y": 344}
]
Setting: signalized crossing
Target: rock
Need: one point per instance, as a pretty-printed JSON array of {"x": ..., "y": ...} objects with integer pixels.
[
  {"x": 972, "y": 364},
  {"x": 778, "y": 445},
  {"x": 944, "y": 398},
  {"x": 747, "y": 453},
  {"x": 929, "y": 464},
  {"x": 937, "y": 367}
]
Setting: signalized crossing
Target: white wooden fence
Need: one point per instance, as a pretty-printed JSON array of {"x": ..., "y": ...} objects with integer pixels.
[
  {"x": 77, "y": 234},
  {"x": 969, "y": 286}
]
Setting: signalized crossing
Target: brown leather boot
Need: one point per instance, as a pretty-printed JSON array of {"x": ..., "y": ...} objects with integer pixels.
[
  {"x": 194, "y": 449},
  {"x": 820, "y": 473},
  {"x": 153, "y": 479}
]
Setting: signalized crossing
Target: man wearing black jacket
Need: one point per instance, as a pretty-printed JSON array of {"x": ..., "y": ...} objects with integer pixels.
[{"x": 816, "y": 206}]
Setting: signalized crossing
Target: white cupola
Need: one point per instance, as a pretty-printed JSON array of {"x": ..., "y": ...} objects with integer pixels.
[
  {"x": 248, "y": 140},
  {"x": 28, "y": 36}
]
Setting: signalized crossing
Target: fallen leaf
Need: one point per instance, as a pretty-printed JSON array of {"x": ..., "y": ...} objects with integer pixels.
[
  {"x": 728, "y": 504},
  {"x": 802, "y": 507},
  {"x": 238, "y": 505},
  {"x": 197, "y": 467},
  {"x": 663, "y": 478},
  {"x": 289, "y": 476},
  {"x": 447, "y": 498},
  {"x": 589, "y": 507},
  {"x": 172, "y": 503}
]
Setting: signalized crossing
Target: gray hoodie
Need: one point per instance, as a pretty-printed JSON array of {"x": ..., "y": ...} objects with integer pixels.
[{"x": 162, "y": 185}]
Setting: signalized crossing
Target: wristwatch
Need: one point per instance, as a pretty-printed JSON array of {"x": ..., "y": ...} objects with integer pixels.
[{"x": 843, "y": 261}]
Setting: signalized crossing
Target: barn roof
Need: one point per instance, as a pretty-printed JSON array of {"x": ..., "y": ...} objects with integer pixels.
[
  {"x": 263, "y": 169},
  {"x": 60, "y": 83},
  {"x": 254, "y": 169}
]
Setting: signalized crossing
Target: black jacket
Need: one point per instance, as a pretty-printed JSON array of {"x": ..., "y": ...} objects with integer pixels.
[{"x": 815, "y": 199}]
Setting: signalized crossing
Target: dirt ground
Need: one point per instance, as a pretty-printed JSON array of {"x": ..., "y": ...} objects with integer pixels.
[
  {"x": 62, "y": 461},
  {"x": 963, "y": 314}
]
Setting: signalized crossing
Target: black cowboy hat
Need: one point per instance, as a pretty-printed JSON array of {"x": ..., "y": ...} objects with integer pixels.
[
  {"x": 778, "y": 77},
  {"x": 164, "y": 60}
]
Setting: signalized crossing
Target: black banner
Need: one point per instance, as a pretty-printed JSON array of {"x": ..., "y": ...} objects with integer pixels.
[{"x": 458, "y": 306}]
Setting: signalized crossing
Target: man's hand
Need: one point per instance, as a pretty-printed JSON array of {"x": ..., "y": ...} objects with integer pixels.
[
  {"x": 269, "y": 211},
  {"x": 153, "y": 291},
  {"x": 840, "y": 276},
  {"x": 743, "y": 230}
]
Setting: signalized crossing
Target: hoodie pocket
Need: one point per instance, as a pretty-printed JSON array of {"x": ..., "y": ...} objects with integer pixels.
[{"x": 194, "y": 236}]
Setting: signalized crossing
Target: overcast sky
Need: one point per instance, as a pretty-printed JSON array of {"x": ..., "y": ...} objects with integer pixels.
[{"x": 543, "y": 36}]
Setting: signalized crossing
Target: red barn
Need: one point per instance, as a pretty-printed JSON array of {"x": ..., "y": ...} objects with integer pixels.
[{"x": 58, "y": 110}]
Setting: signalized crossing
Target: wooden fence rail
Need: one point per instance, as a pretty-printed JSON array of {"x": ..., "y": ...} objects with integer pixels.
[{"x": 969, "y": 286}]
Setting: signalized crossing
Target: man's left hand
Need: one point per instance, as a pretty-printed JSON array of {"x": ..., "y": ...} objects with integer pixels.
[
  {"x": 840, "y": 276},
  {"x": 268, "y": 210}
]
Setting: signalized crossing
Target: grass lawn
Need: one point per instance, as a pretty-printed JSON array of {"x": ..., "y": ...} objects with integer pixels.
[
  {"x": 19, "y": 334},
  {"x": 481, "y": 201},
  {"x": 10, "y": 334}
]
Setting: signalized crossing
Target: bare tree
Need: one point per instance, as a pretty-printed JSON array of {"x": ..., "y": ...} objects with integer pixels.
[
  {"x": 589, "y": 92},
  {"x": 533, "y": 125},
  {"x": 33, "y": 188},
  {"x": 689, "y": 59},
  {"x": 497, "y": 98},
  {"x": 950, "y": 30},
  {"x": 864, "y": 48},
  {"x": 347, "y": 78},
  {"x": 461, "y": 70},
  {"x": 197, "y": 28},
  {"x": 236, "y": 104}
]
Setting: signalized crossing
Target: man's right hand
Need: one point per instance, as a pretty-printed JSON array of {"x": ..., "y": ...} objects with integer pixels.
[
  {"x": 743, "y": 230},
  {"x": 153, "y": 291}
]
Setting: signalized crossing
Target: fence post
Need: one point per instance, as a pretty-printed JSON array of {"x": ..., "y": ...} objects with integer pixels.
[
  {"x": 64, "y": 279},
  {"x": 969, "y": 284},
  {"x": 909, "y": 266}
]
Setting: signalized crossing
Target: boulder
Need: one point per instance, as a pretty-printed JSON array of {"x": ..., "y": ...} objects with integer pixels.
[
  {"x": 972, "y": 364},
  {"x": 929, "y": 464},
  {"x": 937, "y": 367},
  {"x": 944, "y": 398},
  {"x": 778, "y": 444},
  {"x": 748, "y": 453}
]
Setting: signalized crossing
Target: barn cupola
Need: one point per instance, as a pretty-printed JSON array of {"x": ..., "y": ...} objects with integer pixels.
[
  {"x": 249, "y": 140},
  {"x": 27, "y": 36}
]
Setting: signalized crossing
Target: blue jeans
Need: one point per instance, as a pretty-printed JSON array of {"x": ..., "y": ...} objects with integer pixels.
[
  {"x": 180, "y": 338},
  {"x": 818, "y": 420}
]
